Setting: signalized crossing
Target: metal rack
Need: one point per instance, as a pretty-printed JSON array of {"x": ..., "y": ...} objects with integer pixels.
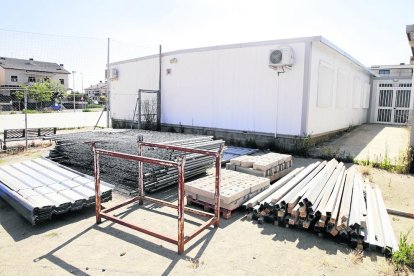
[{"x": 181, "y": 240}]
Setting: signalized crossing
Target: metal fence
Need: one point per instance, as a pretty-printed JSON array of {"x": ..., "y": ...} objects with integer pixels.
[{"x": 32, "y": 96}]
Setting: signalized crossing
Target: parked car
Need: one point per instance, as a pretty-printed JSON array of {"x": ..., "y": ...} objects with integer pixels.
[{"x": 56, "y": 107}]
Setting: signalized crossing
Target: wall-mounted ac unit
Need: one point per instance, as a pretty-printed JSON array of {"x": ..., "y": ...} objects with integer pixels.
[
  {"x": 114, "y": 74},
  {"x": 282, "y": 56}
]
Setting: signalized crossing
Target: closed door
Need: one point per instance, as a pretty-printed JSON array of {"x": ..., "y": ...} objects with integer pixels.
[{"x": 394, "y": 103}]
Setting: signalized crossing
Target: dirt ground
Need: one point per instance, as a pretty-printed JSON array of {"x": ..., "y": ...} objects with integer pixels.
[{"x": 75, "y": 244}]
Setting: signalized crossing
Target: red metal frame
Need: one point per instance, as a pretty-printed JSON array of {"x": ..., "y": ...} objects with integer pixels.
[{"x": 181, "y": 240}]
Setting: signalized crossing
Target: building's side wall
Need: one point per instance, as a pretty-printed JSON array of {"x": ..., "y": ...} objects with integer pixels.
[
  {"x": 132, "y": 76},
  {"x": 222, "y": 89},
  {"x": 345, "y": 100},
  {"x": 233, "y": 89}
]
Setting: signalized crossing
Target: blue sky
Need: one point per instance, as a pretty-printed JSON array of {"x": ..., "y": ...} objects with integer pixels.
[{"x": 371, "y": 31}]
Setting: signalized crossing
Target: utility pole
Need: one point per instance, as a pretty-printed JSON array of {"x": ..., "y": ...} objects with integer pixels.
[
  {"x": 73, "y": 89},
  {"x": 25, "y": 116},
  {"x": 108, "y": 84},
  {"x": 82, "y": 82},
  {"x": 159, "y": 93}
]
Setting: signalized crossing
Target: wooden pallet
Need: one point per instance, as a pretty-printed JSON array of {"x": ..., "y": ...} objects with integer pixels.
[{"x": 226, "y": 214}]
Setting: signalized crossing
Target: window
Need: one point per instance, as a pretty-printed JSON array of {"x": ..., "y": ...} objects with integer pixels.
[
  {"x": 404, "y": 85},
  {"x": 384, "y": 72},
  {"x": 32, "y": 79},
  {"x": 342, "y": 89},
  {"x": 385, "y": 85},
  {"x": 325, "y": 85},
  {"x": 62, "y": 81},
  {"x": 357, "y": 93},
  {"x": 14, "y": 78}
]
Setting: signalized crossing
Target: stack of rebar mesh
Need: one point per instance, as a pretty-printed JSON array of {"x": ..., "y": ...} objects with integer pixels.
[
  {"x": 328, "y": 199},
  {"x": 73, "y": 151}
]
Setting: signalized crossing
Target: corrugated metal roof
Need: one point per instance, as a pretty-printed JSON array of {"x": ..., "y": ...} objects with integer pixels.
[
  {"x": 32, "y": 65},
  {"x": 39, "y": 189}
]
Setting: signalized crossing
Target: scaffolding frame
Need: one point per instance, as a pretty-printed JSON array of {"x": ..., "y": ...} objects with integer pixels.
[{"x": 181, "y": 240}]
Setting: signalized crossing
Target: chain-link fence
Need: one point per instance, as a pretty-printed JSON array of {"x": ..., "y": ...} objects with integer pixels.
[{"x": 57, "y": 80}]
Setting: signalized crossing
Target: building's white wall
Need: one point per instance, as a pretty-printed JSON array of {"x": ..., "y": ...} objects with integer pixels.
[
  {"x": 224, "y": 88},
  {"x": 233, "y": 89},
  {"x": 132, "y": 76},
  {"x": 337, "y": 111}
]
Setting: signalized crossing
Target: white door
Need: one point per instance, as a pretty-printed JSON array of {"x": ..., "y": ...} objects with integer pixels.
[{"x": 393, "y": 103}]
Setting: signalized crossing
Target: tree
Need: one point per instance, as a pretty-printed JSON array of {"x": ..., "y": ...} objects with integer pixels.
[
  {"x": 43, "y": 91},
  {"x": 149, "y": 111},
  {"x": 40, "y": 92},
  {"x": 58, "y": 90},
  {"x": 19, "y": 94}
]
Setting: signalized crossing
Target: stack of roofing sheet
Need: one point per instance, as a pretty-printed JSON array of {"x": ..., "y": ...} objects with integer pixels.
[
  {"x": 235, "y": 188},
  {"x": 328, "y": 199},
  {"x": 232, "y": 152},
  {"x": 271, "y": 165},
  {"x": 39, "y": 189}
]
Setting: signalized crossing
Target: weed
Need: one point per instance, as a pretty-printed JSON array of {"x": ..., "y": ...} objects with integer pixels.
[
  {"x": 366, "y": 171},
  {"x": 52, "y": 234},
  {"x": 251, "y": 143},
  {"x": 172, "y": 129},
  {"x": 194, "y": 263},
  {"x": 404, "y": 256},
  {"x": 302, "y": 145},
  {"x": 358, "y": 256}
]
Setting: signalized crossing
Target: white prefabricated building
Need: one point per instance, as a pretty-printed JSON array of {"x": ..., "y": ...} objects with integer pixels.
[{"x": 280, "y": 88}]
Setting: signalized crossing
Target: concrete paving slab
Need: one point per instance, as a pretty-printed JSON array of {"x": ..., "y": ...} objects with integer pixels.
[{"x": 371, "y": 142}]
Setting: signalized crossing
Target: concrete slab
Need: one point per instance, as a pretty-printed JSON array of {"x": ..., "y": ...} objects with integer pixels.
[{"x": 371, "y": 142}]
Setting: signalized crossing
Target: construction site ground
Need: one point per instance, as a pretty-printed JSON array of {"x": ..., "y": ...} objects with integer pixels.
[{"x": 73, "y": 243}]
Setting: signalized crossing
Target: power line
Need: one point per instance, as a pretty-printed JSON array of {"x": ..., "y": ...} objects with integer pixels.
[
  {"x": 134, "y": 45},
  {"x": 56, "y": 35}
]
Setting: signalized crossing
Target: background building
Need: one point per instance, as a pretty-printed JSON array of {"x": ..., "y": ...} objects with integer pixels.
[
  {"x": 14, "y": 72},
  {"x": 95, "y": 92}
]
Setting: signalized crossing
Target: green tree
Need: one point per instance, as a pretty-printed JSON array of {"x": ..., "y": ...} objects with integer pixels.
[
  {"x": 43, "y": 91},
  {"x": 58, "y": 90},
  {"x": 40, "y": 92},
  {"x": 19, "y": 94}
]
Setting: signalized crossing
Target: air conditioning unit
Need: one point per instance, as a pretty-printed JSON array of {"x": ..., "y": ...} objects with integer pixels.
[
  {"x": 114, "y": 74},
  {"x": 282, "y": 56}
]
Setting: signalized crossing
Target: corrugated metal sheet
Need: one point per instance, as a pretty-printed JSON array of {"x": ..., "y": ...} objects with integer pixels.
[
  {"x": 233, "y": 152},
  {"x": 39, "y": 189}
]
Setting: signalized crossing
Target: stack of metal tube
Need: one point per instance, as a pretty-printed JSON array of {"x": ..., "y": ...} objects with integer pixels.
[{"x": 331, "y": 200}]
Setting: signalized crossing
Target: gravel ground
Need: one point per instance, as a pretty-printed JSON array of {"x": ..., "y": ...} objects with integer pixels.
[{"x": 74, "y": 244}]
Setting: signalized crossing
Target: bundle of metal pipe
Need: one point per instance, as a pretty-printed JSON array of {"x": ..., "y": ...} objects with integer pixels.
[
  {"x": 73, "y": 151},
  {"x": 328, "y": 199}
]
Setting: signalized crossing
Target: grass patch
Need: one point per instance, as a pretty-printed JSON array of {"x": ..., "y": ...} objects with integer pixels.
[
  {"x": 402, "y": 163},
  {"x": 88, "y": 110},
  {"x": 94, "y": 106},
  {"x": 404, "y": 257}
]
